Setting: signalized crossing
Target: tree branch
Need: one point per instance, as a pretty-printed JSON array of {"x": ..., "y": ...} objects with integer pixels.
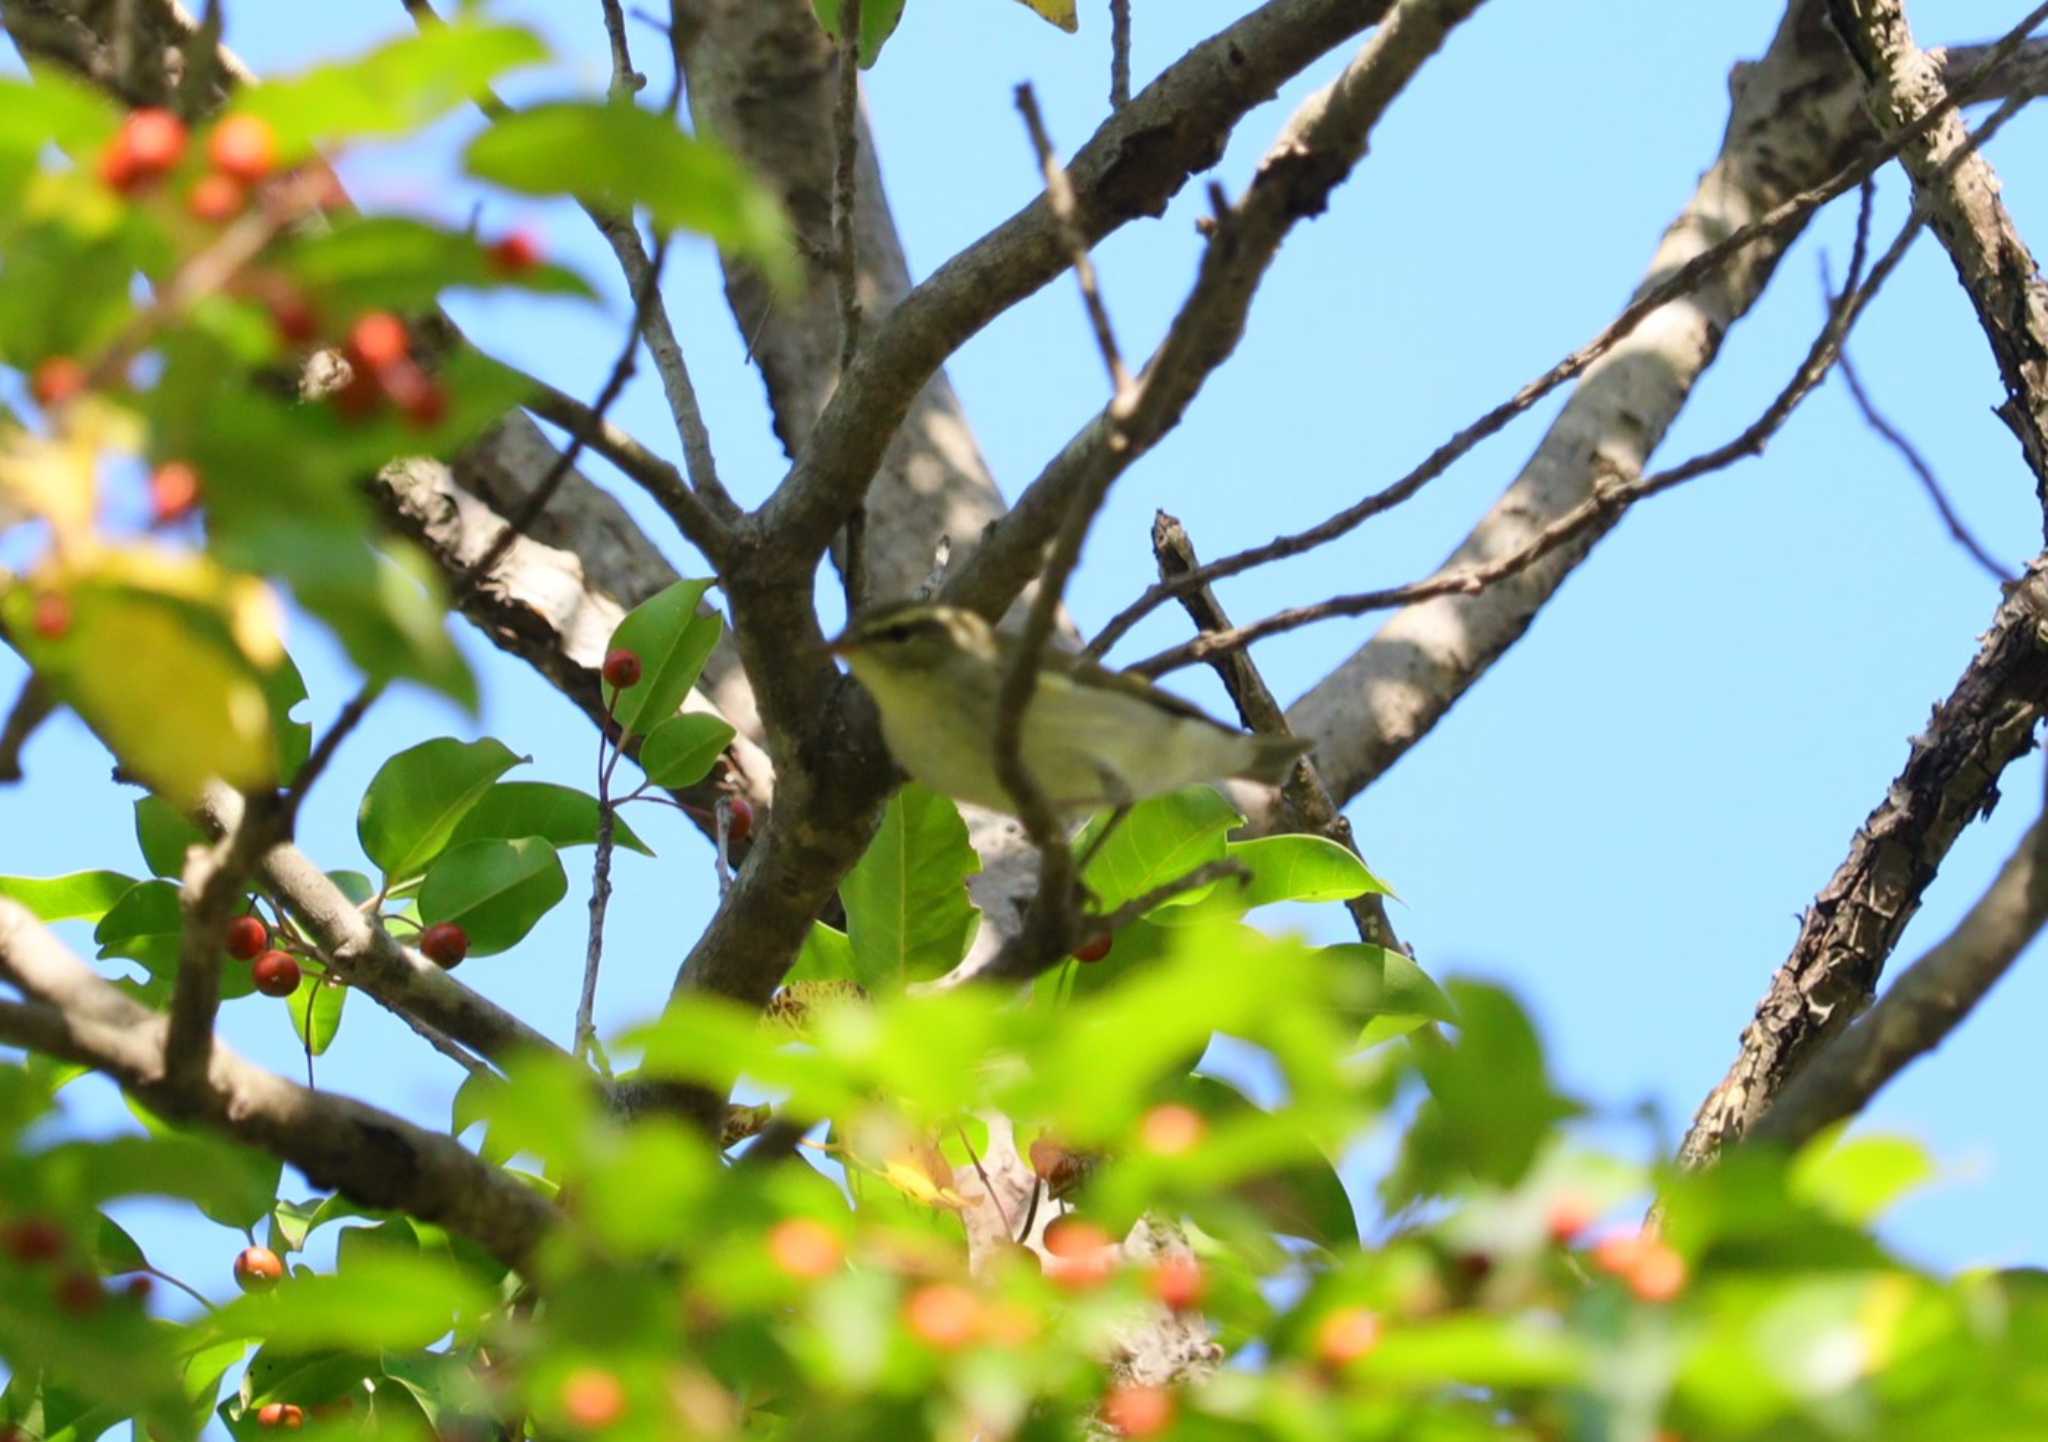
[
  {"x": 376, "y": 1159},
  {"x": 1923, "y": 1006}
]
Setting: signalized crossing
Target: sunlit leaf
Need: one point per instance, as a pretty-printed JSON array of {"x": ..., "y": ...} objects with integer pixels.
[
  {"x": 316, "y": 1013},
  {"x": 1059, "y": 12},
  {"x": 560, "y": 815},
  {"x": 494, "y": 889},
  {"x": 672, "y": 640},
  {"x": 382, "y": 1300},
  {"x": 877, "y": 23},
  {"x": 417, "y": 798},
  {"x": 907, "y": 911},
  {"x": 682, "y": 750},
  {"x": 401, "y": 264},
  {"x": 1164, "y": 837},
  {"x": 826, "y": 955},
  {"x": 1299, "y": 868},
  {"x": 80, "y": 896}
]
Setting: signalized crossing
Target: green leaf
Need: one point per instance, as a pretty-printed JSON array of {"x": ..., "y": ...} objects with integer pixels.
[
  {"x": 78, "y": 896},
  {"x": 494, "y": 889},
  {"x": 826, "y": 955},
  {"x": 682, "y": 750},
  {"x": 1378, "y": 981},
  {"x": 1299, "y": 868},
  {"x": 1858, "y": 1179},
  {"x": 877, "y": 23},
  {"x": 354, "y": 885},
  {"x": 1059, "y": 12},
  {"x": 53, "y": 109},
  {"x": 617, "y": 157},
  {"x": 114, "y": 1251},
  {"x": 393, "y": 90},
  {"x": 672, "y": 641},
  {"x": 418, "y": 798},
  {"x": 399, "y": 264},
  {"x": 232, "y": 1184},
  {"x": 290, "y": 1224},
  {"x": 165, "y": 835},
  {"x": 382, "y": 1300},
  {"x": 316, "y": 1013},
  {"x": 1302, "y": 1196},
  {"x": 1163, "y": 838},
  {"x": 284, "y": 688},
  {"x": 560, "y": 815},
  {"x": 907, "y": 912}
]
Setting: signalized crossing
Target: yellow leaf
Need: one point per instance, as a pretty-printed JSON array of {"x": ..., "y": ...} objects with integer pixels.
[
  {"x": 1060, "y": 12},
  {"x": 56, "y": 477},
  {"x": 165, "y": 655},
  {"x": 908, "y": 1176}
]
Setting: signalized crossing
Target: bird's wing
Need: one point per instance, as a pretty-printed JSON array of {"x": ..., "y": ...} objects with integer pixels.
[{"x": 1083, "y": 671}]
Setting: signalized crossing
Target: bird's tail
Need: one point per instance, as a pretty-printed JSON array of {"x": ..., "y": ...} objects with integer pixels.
[{"x": 1273, "y": 757}]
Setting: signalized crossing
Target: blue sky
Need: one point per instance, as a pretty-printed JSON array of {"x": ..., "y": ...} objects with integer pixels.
[{"x": 1624, "y": 820}]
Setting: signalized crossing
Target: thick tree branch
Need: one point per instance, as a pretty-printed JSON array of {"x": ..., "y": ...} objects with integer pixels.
[
  {"x": 1923, "y": 1006},
  {"x": 376, "y": 1159}
]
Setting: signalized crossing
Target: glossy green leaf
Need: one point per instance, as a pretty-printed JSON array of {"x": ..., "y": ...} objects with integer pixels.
[
  {"x": 290, "y": 1224},
  {"x": 1163, "y": 838},
  {"x": 878, "y": 20},
  {"x": 494, "y": 889},
  {"x": 1378, "y": 981},
  {"x": 392, "y": 90},
  {"x": 316, "y": 1012},
  {"x": 672, "y": 641},
  {"x": 53, "y": 109},
  {"x": 417, "y": 799},
  {"x": 907, "y": 911},
  {"x": 682, "y": 750},
  {"x": 560, "y": 815},
  {"x": 79, "y": 896},
  {"x": 1299, "y": 868},
  {"x": 1859, "y": 1178},
  {"x": 621, "y": 157},
  {"x": 165, "y": 835},
  {"x": 382, "y": 1300},
  {"x": 114, "y": 1251}
]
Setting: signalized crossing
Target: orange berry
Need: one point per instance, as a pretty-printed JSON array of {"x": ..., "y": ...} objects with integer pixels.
[
  {"x": 944, "y": 1315},
  {"x": 281, "y": 1414},
  {"x": 58, "y": 380},
  {"x": 117, "y": 167},
  {"x": 215, "y": 199},
  {"x": 593, "y": 1398},
  {"x": 1618, "y": 1252},
  {"x": 1178, "y": 1281},
  {"x": 1172, "y": 1130},
  {"x": 515, "y": 254},
  {"x": 1658, "y": 1274},
  {"x": 1137, "y": 1411},
  {"x": 244, "y": 148},
  {"x": 1083, "y": 1254},
  {"x": 1095, "y": 948},
  {"x": 1347, "y": 1334},
  {"x": 379, "y": 339},
  {"x": 155, "y": 138},
  {"x": 173, "y": 490},
  {"x": 1570, "y": 1214},
  {"x": 258, "y": 1268},
  {"x": 805, "y": 1248}
]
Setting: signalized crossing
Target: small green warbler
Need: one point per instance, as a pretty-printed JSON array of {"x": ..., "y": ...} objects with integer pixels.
[{"x": 1090, "y": 738}]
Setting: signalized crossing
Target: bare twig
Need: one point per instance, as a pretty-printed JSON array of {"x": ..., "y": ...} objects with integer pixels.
[
  {"x": 446, "y": 1045},
  {"x": 626, "y": 81},
  {"x": 1158, "y": 896},
  {"x": 1686, "y": 278},
  {"x": 1119, "y": 53},
  {"x": 1059, "y": 192},
  {"x": 608, "y": 752},
  {"x": 1923, "y": 1006},
  {"x": 1308, "y": 804},
  {"x": 33, "y": 705}
]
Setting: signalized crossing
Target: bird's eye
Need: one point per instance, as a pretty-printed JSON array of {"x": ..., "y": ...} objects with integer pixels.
[{"x": 896, "y": 633}]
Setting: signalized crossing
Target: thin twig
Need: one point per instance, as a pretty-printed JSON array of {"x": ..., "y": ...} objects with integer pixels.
[
  {"x": 580, "y": 436},
  {"x": 1119, "y": 54},
  {"x": 1608, "y": 499},
  {"x": 1680, "y": 282},
  {"x": 608, "y": 753},
  {"x": 441, "y": 1042},
  {"x": 1059, "y": 193},
  {"x": 1306, "y": 802},
  {"x": 33, "y": 705},
  {"x": 626, "y": 81},
  {"x": 1158, "y": 896},
  {"x": 987, "y": 1186}
]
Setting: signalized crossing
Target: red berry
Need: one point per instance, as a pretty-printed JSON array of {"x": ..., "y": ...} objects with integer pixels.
[
  {"x": 32, "y": 1239},
  {"x": 247, "y": 938},
  {"x": 379, "y": 339},
  {"x": 275, "y": 974},
  {"x": 944, "y": 1315},
  {"x": 243, "y": 147},
  {"x": 422, "y": 398},
  {"x": 1094, "y": 948},
  {"x": 293, "y": 318},
  {"x": 156, "y": 139},
  {"x": 139, "y": 1287},
  {"x": 805, "y": 1248},
  {"x": 444, "y": 944},
  {"x": 622, "y": 668},
  {"x": 515, "y": 254},
  {"x": 593, "y": 1398},
  {"x": 1658, "y": 1274},
  {"x": 173, "y": 490},
  {"x": 1570, "y": 1214},
  {"x": 740, "y": 820},
  {"x": 52, "y": 619},
  {"x": 216, "y": 198},
  {"x": 117, "y": 167},
  {"x": 79, "y": 1293},
  {"x": 258, "y": 1268},
  {"x": 281, "y": 1414},
  {"x": 1137, "y": 1411},
  {"x": 1347, "y": 1334},
  {"x": 58, "y": 380},
  {"x": 363, "y": 396},
  {"x": 1178, "y": 1281},
  {"x": 1083, "y": 1254}
]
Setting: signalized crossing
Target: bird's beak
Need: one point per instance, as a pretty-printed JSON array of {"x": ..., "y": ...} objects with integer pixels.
[{"x": 842, "y": 645}]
